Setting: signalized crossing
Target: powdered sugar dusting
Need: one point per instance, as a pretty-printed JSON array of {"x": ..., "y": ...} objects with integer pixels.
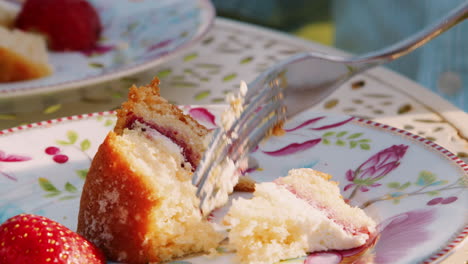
[{"x": 112, "y": 197}]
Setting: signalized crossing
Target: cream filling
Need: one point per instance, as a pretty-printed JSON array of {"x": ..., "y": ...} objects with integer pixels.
[
  {"x": 278, "y": 208},
  {"x": 322, "y": 233},
  {"x": 166, "y": 143},
  {"x": 315, "y": 188}
]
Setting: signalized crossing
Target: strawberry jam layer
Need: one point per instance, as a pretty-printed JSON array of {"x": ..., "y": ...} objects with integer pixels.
[
  {"x": 187, "y": 152},
  {"x": 328, "y": 212}
]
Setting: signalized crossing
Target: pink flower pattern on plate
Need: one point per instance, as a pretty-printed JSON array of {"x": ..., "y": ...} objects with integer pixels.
[
  {"x": 12, "y": 157},
  {"x": 203, "y": 115},
  {"x": 303, "y": 146},
  {"x": 4, "y": 157},
  {"x": 401, "y": 233},
  {"x": 375, "y": 168},
  {"x": 396, "y": 236},
  {"x": 294, "y": 147}
]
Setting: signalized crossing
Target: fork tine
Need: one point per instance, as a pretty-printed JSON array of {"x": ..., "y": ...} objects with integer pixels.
[
  {"x": 251, "y": 109},
  {"x": 209, "y": 153},
  {"x": 221, "y": 176},
  {"x": 274, "y": 75},
  {"x": 253, "y": 130},
  {"x": 246, "y": 114},
  {"x": 209, "y": 192},
  {"x": 219, "y": 137},
  {"x": 236, "y": 154},
  {"x": 228, "y": 149}
]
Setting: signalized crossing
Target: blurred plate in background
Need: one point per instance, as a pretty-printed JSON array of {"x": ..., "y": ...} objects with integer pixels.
[{"x": 137, "y": 35}]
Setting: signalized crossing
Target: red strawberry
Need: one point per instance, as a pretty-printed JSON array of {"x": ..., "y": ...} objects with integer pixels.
[
  {"x": 26, "y": 239},
  {"x": 67, "y": 24}
]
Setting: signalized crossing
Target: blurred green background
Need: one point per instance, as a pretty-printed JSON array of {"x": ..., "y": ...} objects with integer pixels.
[{"x": 310, "y": 20}]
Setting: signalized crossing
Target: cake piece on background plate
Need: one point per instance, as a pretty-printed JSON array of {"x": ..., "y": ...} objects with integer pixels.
[
  {"x": 23, "y": 56},
  {"x": 7, "y": 14}
]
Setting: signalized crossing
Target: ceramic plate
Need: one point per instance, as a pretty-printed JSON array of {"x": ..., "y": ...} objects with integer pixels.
[
  {"x": 136, "y": 35},
  {"x": 415, "y": 189}
]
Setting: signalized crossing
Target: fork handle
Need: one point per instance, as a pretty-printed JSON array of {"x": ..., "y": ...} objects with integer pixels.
[{"x": 413, "y": 42}]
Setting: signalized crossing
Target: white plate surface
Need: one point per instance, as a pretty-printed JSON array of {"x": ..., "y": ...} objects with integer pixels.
[{"x": 415, "y": 189}]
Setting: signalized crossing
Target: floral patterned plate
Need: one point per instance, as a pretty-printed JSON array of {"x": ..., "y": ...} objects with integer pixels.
[
  {"x": 415, "y": 189},
  {"x": 137, "y": 35}
]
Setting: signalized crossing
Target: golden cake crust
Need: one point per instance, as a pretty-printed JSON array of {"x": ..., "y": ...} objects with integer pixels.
[
  {"x": 150, "y": 95},
  {"x": 111, "y": 179},
  {"x": 14, "y": 67},
  {"x": 23, "y": 56},
  {"x": 245, "y": 184},
  {"x": 145, "y": 102}
]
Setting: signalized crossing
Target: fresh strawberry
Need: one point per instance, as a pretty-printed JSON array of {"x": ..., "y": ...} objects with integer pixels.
[
  {"x": 27, "y": 239},
  {"x": 67, "y": 24}
]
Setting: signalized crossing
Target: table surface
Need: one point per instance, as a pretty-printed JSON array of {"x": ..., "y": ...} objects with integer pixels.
[{"x": 234, "y": 51}]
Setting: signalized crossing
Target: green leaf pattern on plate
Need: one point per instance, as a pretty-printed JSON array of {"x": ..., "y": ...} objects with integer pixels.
[
  {"x": 82, "y": 173},
  {"x": 346, "y": 139},
  {"x": 69, "y": 190},
  {"x": 427, "y": 183}
]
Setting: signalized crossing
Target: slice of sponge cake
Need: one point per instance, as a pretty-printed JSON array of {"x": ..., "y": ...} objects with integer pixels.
[
  {"x": 301, "y": 213},
  {"x": 138, "y": 202},
  {"x": 23, "y": 56},
  {"x": 8, "y": 14}
]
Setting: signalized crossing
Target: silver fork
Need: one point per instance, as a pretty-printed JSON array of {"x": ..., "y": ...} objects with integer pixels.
[{"x": 283, "y": 91}]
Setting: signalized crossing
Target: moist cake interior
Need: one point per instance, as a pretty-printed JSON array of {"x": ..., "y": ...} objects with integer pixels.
[{"x": 303, "y": 212}]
